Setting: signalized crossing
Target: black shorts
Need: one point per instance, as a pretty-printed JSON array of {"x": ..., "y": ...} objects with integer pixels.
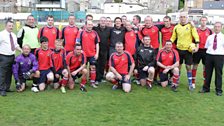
[
  {"x": 78, "y": 75},
  {"x": 91, "y": 60},
  {"x": 22, "y": 79},
  {"x": 60, "y": 73},
  {"x": 142, "y": 74},
  {"x": 185, "y": 57},
  {"x": 164, "y": 77},
  {"x": 198, "y": 56},
  {"x": 43, "y": 75},
  {"x": 123, "y": 80}
]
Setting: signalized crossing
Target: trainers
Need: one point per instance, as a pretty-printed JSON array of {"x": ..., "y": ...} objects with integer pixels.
[
  {"x": 190, "y": 88},
  {"x": 93, "y": 85},
  {"x": 63, "y": 89},
  {"x": 174, "y": 88},
  {"x": 115, "y": 87},
  {"x": 193, "y": 86},
  {"x": 97, "y": 83},
  {"x": 34, "y": 89},
  {"x": 136, "y": 81},
  {"x": 149, "y": 87},
  {"x": 203, "y": 91},
  {"x": 83, "y": 89},
  {"x": 103, "y": 81}
]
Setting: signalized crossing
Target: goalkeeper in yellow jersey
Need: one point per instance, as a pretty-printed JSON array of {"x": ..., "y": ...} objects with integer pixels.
[{"x": 184, "y": 34}]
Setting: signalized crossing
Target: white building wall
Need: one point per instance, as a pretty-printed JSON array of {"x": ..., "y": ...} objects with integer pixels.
[{"x": 121, "y": 8}]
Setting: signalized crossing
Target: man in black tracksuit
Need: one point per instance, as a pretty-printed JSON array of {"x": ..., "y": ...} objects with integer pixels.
[
  {"x": 117, "y": 34},
  {"x": 104, "y": 34},
  {"x": 146, "y": 61}
]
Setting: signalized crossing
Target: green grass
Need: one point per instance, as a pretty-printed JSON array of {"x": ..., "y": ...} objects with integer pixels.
[{"x": 105, "y": 107}]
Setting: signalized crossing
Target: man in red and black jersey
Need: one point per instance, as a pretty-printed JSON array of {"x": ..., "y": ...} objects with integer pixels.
[
  {"x": 43, "y": 55},
  {"x": 168, "y": 62},
  {"x": 136, "y": 23},
  {"x": 59, "y": 66},
  {"x": 131, "y": 41},
  {"x": 131, "y": 44},
  {"x": 69, "y": 34},
  {"x": 50, "y": 31},
  {"x": 76, "y": 61},
  {"x": 152, "y": 31},
  {"x": 121, "y": 65},
  {"x": 167, "y": 31},
  {"x": 203, "y": 32},
  {"x": 89, "y": 41},
  {"x": 146, "y": 63}
]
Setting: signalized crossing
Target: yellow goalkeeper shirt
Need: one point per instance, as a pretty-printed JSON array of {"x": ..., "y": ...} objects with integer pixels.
[{"x": 184, "y": 35}]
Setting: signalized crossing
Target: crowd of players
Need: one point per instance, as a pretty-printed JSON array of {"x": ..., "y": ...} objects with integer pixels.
[{"x": 59, "y": 57}]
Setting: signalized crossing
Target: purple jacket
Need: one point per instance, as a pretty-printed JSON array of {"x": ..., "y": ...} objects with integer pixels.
[{"x": 24, "y": 64}]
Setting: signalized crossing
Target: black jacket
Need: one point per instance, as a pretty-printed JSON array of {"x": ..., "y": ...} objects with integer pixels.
[
  {"x": 104, "y": 35},
  {"x": 145, "y": 57}
]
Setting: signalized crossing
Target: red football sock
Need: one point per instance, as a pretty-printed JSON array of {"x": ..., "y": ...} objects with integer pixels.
[
  {"x": 83, "y": 81},
  {"x": 64, "y": 81},
  {"x": 175, "y": 79},
  {"x": 194, "y": 72},
  {"x": 114, "y": 82},
  {"x": 92, "y": 75}
]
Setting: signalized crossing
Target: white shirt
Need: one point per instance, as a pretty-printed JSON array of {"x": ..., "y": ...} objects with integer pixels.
[
  {"x": 5, "y": 44},
  {"x": 220, "y": 44}
]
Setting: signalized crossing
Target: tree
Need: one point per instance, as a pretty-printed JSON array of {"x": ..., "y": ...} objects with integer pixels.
[{"x": 181, "y": 4}]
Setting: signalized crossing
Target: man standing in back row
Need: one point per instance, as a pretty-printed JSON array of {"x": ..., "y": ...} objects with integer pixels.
[
  {"x": 184, "y": 33},
  {"x": 203, "y": 32},
  {"x": 50, "y": 31},
  {"x": 104, "y": 34},
  {"x": 8, "y": 46},
  {"x": 28, "y": 34},
  {"x": 214, "y": 59}
]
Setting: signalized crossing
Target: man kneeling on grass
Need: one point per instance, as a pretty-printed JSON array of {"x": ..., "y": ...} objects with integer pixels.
[
  {"x": 43, "y": 55},
  {"x": 76, "y": 61},
  {"x": 121, "y": 66},
  {"x": 59, "y": 66},
  {"x": 168, "y": 62},
  {"x": 25, "y": 68}
]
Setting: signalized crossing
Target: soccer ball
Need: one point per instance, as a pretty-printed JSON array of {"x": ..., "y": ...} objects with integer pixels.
[{"x": 191, "y": 47}]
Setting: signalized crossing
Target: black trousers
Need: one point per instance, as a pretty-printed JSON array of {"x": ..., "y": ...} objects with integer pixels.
[
  {"x": 101, "y": 64},
  {"x": 213, "y": 62},
  {"x": 6, "y": 63}
]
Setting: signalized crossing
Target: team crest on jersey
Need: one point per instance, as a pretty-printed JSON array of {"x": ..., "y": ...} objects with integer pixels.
[
  {"x": 122, "y": 58},
  {"x": 132, "y": 34},
  {"x": 53, "y": 32},
  {"x": 207, "y": 34},
  {"x": 117, "y": 32},
  {"x": 21, "y": 63},
  {"x": 171, "y": 30},
  {"x": 187, "y": 28},
  {"x": 153, "y": 30}
]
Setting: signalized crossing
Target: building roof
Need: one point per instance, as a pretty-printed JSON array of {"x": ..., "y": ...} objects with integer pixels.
[{"x": 213, "y": 5}]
